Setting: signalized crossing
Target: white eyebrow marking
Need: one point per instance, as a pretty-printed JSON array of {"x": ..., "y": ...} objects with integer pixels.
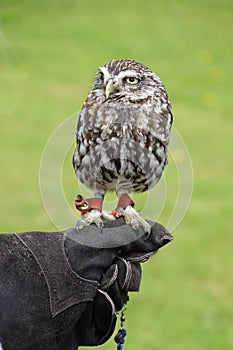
[
  {"x": 105, "y": 73},
  {"x": 128, "y": 73},
  {"x": 121, "y": 75}
]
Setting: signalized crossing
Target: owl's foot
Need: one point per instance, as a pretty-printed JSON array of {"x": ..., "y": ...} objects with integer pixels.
[
  {"x": 92, "y": 207},
  {"x": 94, "y": 217},
  {"x": 133, "y": 218}
]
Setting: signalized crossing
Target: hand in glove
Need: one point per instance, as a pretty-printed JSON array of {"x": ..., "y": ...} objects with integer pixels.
[
  {"x": 63, "y": 289},
  {"x": 118, "y": 271}
]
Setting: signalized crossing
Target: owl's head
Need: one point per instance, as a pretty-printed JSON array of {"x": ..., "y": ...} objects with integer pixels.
[{"x": 126, "y": 79}]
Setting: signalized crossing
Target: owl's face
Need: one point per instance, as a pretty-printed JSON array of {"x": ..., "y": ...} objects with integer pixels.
[{"x": 126, "y": 80}]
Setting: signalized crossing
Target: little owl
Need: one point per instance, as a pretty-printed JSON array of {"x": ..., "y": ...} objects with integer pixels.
[{"x": 122, "y": 138}]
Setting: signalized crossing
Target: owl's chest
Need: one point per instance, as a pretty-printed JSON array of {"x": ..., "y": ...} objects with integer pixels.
[
  {"x": 121, "y": 141},
  {"x": 122, "y": 113},
  {"x": 119, "y": 131}
]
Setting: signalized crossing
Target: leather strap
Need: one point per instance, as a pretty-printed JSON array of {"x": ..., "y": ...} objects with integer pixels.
[
  {"x": 124, "y": 201},
  {"x": 85, "y": 205}
]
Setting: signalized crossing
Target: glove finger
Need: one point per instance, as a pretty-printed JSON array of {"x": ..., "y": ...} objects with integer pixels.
[
  {"x": 109, "y": 277},
  {"x": 129, "y": 275},
  {"x": 118, "y": 296}
]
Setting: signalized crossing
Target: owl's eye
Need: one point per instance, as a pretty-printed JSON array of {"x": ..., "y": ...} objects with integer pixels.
[{"x": 132, "y": 80}]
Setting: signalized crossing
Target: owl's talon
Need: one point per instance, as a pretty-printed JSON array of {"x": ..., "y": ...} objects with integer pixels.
[
  {"x": 94, "y": 217},
  {"x": 133, "y": 218},
  {"x": 80, "y": 224}
]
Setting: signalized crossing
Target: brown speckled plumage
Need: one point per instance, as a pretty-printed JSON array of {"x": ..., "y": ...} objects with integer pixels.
[{"x": 123, "y": 133}]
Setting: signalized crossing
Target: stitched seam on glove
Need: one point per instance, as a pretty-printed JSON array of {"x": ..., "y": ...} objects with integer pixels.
[
  {"x": 128, "y": 276},
  {"x": 114, "y": 313},
  {"x": 110, "y": 301},
  {"x": 110, "y": 282},
  {"x": 142, "y": 258}
]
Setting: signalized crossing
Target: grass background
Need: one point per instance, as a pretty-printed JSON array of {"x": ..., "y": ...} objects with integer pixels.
[{"x": 49, "y": 52}]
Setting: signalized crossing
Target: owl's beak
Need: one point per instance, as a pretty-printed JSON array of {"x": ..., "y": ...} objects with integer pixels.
[{"x": 111, "y": 88}]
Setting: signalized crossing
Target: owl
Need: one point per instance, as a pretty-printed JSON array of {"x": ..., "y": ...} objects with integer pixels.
[{"x": 122, "y": 138}]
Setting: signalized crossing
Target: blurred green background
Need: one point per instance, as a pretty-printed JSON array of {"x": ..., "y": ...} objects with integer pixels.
[{"x": 49, "y": 52}]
